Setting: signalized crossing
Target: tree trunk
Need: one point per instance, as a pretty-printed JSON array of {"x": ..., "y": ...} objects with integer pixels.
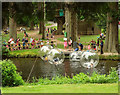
[
  {"x": 43, "y": 21},
  {"x": 32, "y": 25},
  {"x": 107, "y": 33},
  {"x": 41, "y": 6},
  {"x": 68, "y": 22},
  {"x": 59, "y": 28},
  {"x": 43, "y": 30},
  {"x": 6, "y": 24},
  {"x": 12, "y": 22},
  {"x": 12, "y": 28},
  {"x": 112, "y": 30},
  {"x": 74, "y": 26},
  {"x": 39, "y": 9},
  {"x": 71, "y": 23},
  {"x": 40, "y": 31}
]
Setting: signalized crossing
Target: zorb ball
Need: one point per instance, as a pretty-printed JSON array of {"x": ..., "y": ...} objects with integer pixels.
[
  {"x": 89, "y": 59},
  {"x": 43, "y": 52},
  {"x": 75, "y": 56},
  {"x": 55, "y": 56}
]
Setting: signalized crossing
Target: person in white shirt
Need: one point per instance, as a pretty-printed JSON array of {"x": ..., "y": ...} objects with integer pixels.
[{"x": 31, "y": 39}]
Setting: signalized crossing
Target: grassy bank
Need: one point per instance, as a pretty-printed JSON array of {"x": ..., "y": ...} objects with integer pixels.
[
  {"x": 64, "y": 88},
  {"x": 109, "y": 57},
  {"x": 35, "y": 53}
]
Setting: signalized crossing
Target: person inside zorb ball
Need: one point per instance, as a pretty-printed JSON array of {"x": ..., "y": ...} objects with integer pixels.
[
  {"x": 43, "y": 52},
  {"x": 75, "y": 56},
  {"x": 89, "y": 59},
  {"x": 55, "y": 56}
]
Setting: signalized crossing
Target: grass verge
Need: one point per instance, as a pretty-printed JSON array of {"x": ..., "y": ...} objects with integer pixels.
[{"x": 64, "y": 88}]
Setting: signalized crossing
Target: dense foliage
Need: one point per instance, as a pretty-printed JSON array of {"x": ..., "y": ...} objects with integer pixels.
[
  {"x": 80, "y": 78},
  {"x": 5, "y": 52},
  {"x": 9, "y": 75}
]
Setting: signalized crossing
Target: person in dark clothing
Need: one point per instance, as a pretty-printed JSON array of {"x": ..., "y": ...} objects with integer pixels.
[
  {"x": 75, "y": 46},
  {"x": 24, "y": 45},
  {"x": 81, "y": 46},
  {"x": 47, "y": 35},
  {"x": 6, "y": 32},
  {"x": 97, "y": 42},
  {"x": 52, "y": 44},
  {"x": 101, "y": 47},
  {"x": 23, "y": 39},
  {"x": 97, "y": 45},
  {"x": 48, "y": 30},
  {"x": 26, "y": 40},
  {"x": 25, "y": 34},
  {"x": 51, "y": 30},
  {"x": 94, "y": 45}
]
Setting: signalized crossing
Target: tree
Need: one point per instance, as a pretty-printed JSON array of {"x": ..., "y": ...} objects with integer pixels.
[
  {"x": 12, "y": 20},
  {"x": 5, "y": 15},
  {"x": 111, "y": 42},
  {"x": 81, "y": 11},
  {"x": 41, "y": 6}
]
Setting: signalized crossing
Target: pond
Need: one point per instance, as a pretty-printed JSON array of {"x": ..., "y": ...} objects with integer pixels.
[{"x": 44, "y": 69}]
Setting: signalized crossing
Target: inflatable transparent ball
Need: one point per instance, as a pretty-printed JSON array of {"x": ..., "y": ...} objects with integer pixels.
[
  {"x": 43, "y": 52},
  {"x": 75, "y": 56},
  {"x": 55, "y": 56},
  {"x": 89, "y": 59}
]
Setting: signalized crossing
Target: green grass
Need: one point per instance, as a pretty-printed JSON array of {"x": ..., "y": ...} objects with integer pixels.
[
  {"x": 61, "y": 46},
  {"x": 24, "y": 53},
  {"x": 48, "y": 24},
  {"x": 64, "y": 88},
  {"x": 28, "y": 52},
  {"x": 6, "y": 36},
  {"x": 84, "y": 38},
  {"x": 54, "y": 27},
  {"x": 60, "y": 39}
]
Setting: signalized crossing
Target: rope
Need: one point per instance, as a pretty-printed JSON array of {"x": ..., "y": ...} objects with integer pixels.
[{"x": 31, "y": 69}]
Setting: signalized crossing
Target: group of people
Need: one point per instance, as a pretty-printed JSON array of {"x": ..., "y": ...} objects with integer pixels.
[
  {"x": 26, "y": 43},
  {"x": 18, "y": 44},
  {"x": 76, "y": 46},
  {"x": 95, "y": 45},
  {"x": 48, "y": 31}
]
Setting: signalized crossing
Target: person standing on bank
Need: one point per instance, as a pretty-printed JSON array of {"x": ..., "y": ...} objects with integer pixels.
[
  {"x": 101, "y": 44},
  {"x": 97, "y": 47},
  {"x": 65, "y": 34}
]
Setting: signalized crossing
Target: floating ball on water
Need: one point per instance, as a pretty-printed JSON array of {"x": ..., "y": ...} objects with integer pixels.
[
  {"x": 55, "y": 56},
  {"x": 46, "y": 58},
  {"x": 75, "y": 56},
  {"x": 43, "y": 51},
  {"x": 89, "y": 59}
]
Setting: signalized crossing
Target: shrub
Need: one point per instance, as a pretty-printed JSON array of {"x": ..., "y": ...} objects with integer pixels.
[
  {"x": 9, "y": 75},
  {"x": 5, "y": 52},
  {"x": 113, "y": 76},
  {"x": 82, "y": 78}
]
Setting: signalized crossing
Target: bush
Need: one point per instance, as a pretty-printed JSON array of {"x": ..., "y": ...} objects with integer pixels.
[
  {"x": 5, "y": 52},
  {"x": 113, "y": 76},
  {"x": 82, "y": 78},
  {"x": 9, "y": 75}
]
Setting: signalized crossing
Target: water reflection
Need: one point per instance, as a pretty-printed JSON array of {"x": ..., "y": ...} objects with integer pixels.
[{"x": 44, "y": 69}]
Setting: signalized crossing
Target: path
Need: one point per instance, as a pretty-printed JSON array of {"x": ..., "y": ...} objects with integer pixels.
[{"x": 53, "y": 24}]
